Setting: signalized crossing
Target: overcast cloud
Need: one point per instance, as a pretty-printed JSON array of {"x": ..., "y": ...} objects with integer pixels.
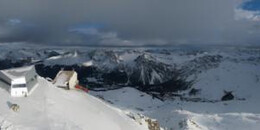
[{"x": 128, "y": 22}]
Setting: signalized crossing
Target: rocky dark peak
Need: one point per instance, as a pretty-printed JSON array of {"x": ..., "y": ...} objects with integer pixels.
[
  {"x": 149, "y": 71},
  {"x": 52, "y": 53},
  {"x": 104, "y": 55},
  {"x": 201, "y": 64},
  {"x": 144, "y": 58}
]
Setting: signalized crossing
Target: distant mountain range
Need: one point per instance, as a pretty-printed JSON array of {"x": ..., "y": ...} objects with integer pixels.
[{"x": 158, "y": 71}]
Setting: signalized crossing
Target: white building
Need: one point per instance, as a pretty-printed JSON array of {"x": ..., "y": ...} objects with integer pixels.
[
  {"x": 19, "y": 81},
  {"x": 66, "y": 79}
]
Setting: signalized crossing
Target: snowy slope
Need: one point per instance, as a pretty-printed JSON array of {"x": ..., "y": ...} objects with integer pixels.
[
  {"x": 183, "y": 115},
  {"x": 240, "y": 78},
  {"x": 53, "y": 108}
]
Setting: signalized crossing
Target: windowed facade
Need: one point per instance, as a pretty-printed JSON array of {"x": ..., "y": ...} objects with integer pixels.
[{"x": 19, "y": 86}]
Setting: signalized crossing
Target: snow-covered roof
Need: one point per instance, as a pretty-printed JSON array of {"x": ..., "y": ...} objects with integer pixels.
[
  {"x": 17, "y": 72},
  {"x": 63, "y": 77}
]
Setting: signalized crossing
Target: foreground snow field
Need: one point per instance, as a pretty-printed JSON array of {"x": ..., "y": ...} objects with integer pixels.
[
  {"x": 50, "y": 108},
  {"x": 184, "y": 115}
]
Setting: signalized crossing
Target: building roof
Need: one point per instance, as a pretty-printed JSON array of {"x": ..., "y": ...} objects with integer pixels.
[
  {"x": 17, "y": 72},
  {"x": 63, "y": 77}
]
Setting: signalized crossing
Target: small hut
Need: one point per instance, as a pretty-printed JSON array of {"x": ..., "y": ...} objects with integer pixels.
[{"x": 66, "y": 79}]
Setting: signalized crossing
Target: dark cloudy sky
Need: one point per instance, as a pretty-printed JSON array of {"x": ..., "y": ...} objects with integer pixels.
[{"x": 130, "y": 22}]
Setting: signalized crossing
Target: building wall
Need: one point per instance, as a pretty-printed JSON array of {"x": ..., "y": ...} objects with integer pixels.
[
  {"x": 32, "y": 83},
  {"x": 19, "y": 92},
  {"x": 31, "y": 79},
  {"x": 73, "y": 81},
  {"x": 20, "y": 80}
]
